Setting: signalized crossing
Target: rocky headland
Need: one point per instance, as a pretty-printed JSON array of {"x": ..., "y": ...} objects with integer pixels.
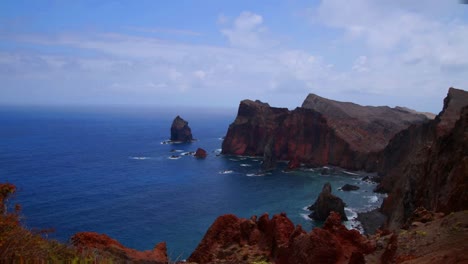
[{"x": 321, "y": 132}]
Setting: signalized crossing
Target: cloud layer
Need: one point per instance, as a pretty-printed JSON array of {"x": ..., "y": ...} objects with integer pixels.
[{"x": 392, "y": 54}]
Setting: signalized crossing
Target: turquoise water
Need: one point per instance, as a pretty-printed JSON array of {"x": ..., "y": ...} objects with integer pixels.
[{"x": 105, "y": 170}]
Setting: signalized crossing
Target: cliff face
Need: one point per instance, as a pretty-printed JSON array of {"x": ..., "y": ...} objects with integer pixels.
[
  {"x": 322, "y": 132},
  {"x": 301, "y": 134},
  {"x": 427, "y": 165}
]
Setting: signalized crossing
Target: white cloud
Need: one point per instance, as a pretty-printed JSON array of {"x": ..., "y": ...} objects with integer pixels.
[
  {"x": 408, "y": 48},
  {"x": 246, "y": 31},
  {"x": 388, "y": 52}
]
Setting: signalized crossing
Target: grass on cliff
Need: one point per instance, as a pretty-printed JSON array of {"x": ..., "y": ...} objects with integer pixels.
[{"x": 20, "y": 245}]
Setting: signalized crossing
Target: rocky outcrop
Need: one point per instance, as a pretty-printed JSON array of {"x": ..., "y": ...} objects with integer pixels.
[
  {"x": 236, "y": 240},
  {"x": 333, "y": 243},
  {"x": 111, "y": 249},
  {"x": 200, "y": 153},
  {"x": 327, "y": 203},
  {"x": 239, "y": 240},
  {"x": 349, "y": 187},
  {"x": 321, "y": 132},
  {"x": 426, "y": 165},
  {"x": 180, "y": 131}
]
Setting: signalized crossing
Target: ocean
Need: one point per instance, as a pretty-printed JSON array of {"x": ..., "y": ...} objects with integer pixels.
[{"x": 105, "y": 169}]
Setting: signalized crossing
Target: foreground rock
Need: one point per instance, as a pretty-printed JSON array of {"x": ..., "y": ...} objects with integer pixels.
[
  {"x": 321, "y": 132},
  {"x": 241, "y": 240},
  {"x": 180, "y": 131},
  {"x": 327, "y": 203},
  {"x": 426, "y": 165},
  {"x": 200, "y": 153},
  {"x": 236, "y": 240},
  {"x": 111, "y": 249}
]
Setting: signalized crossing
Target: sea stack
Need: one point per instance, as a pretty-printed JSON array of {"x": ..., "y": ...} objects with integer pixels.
[
  {"x": 180, "y": 131},
  {"x": 326, "y": 203}
]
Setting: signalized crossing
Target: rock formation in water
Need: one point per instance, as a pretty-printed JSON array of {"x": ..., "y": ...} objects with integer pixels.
[
  {"x": 326, "y": 203},
  {"x": 426, "y": 165},
  {"x": 321, "y": 132},
  {"x": 110, "y": 248},
  {"x": 349, "y": 187},
  {"x": 200, "y": 153},
  {"x": 180, "y": 131}
]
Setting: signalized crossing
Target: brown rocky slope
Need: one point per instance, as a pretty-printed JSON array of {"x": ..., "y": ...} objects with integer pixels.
[{"x": 427, "y": 165}]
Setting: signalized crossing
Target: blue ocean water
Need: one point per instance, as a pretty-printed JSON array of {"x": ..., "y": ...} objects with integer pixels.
[{"x": 105, "y": 170}]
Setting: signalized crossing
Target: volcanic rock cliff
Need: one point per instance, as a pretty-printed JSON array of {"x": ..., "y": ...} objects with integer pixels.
[
  {"x": 321, "y": 132},
  {"x": 426, "y": 165}
]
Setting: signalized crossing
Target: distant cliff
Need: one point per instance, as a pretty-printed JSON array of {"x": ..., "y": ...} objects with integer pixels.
[
  {"x": 426, "y": 165},
  {"x": 321, "y": 132}
]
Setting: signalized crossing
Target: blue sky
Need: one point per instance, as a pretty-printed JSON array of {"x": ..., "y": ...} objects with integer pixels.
[{"x": 216, "y": 53}]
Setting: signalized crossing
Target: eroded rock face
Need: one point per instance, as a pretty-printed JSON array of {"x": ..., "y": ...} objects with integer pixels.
[
  {"x": 327, "y": 203},
  {"x": 180, "y": 131},
  {"x": 111, "y": 248},
  {"x": 426, "y": 165},
  {"x": 321, "y": 132}
]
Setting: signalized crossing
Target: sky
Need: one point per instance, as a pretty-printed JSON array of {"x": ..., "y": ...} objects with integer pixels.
[{"x": 214, "y": 53}]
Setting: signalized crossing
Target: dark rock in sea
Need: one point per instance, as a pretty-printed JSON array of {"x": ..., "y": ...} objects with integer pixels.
[
  {"x": 349, "y": 187},
  {"x": 326, "y": 203},
  {"x": 109, "y": 249},
  {"x": 321, "y": 132},
  {"x": 426, "y": 165},
  {"x": 200, "y": 153},
  {"x": 180, "y": 131}
]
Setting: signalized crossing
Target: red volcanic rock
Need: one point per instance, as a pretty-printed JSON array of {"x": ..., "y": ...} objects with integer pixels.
[
  {"x": 314, "y": 134},
  {"x": 200, "y": 153},
  {"x": 180, "y": 131},
  {"x": 243, "y": 240},
  {"x": 111, "y": 248},
  {"x": 426, "y": 165},
  {"x": 331, "y": 244},
  {"x": 235, "y": 240}
]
